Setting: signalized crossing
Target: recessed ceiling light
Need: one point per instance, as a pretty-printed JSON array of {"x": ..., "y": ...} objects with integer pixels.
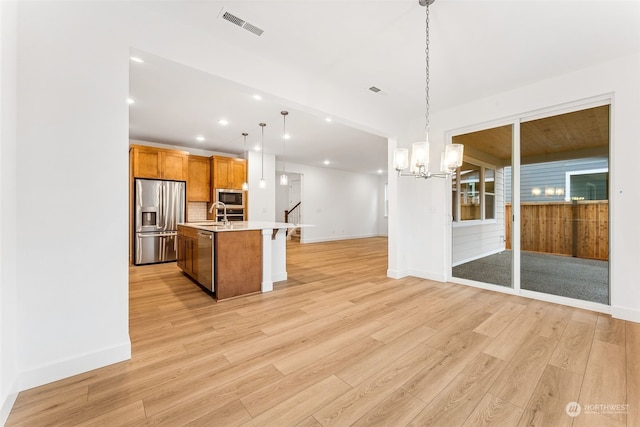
[
  {"x": 328, "y": 120},
  {"x": 326, "y": 162},
  {"x": 287, "y": 136},
  {"x": 136, "y": 59},
  {"x": 199, "y": 138},
  {"x": 257, "y": 97},
  {"x": 130, "y": 101},
  {"x": 223, "y": 122},
  {"x": 379, "y": 170},
  {"x": 256, "y": 148}
]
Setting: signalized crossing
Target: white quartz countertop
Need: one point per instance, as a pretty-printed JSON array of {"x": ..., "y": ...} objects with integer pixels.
[{"x": 240, "y": 225}]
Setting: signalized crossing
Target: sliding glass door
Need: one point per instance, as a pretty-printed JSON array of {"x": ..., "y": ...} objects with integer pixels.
[
  {"x": 481, "y": 208},
  {"x": 556, "y": 171},
  {"x": 564, "y": 205}
]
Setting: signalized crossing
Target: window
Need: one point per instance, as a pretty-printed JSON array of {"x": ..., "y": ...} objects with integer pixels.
[
  {"x": 587, "y": 185},
  {"x": 473, "y": 193}
]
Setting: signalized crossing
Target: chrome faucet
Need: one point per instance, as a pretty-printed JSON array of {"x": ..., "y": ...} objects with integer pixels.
[{"x": 225, "y": 221}]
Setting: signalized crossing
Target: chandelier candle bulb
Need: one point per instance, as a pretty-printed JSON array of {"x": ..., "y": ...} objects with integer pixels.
[
  {"x": 419, "y": 157},
  {"x": 401, "y": 159},
  {"x": 452, "y": 157}
]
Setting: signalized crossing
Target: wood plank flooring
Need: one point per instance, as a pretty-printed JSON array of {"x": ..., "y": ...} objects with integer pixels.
[{"x": 341, "y": 344}]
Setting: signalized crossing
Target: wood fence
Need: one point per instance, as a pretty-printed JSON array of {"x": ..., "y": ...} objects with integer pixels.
[{"x": 579, "y": 229}]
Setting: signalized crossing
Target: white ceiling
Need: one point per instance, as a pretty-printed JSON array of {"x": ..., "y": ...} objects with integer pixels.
[{"x": 477, "y": 48}]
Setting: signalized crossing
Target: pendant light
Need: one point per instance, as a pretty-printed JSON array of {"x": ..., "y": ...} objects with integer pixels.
[
  {"x": 284, "y": 179},
  {"x": 245, "y": 184},
  {"x": 262, "y": 183},
  {"x": 450, "y": 159}
]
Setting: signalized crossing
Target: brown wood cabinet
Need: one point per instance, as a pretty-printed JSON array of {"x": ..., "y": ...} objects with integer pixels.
[
  {"x": 187, "y": 249},
  {"x": 159, "y": 163},
  {"x": 238, "y": 263},
  {"x": 237, "y": 260},
  {"x": 228, "y": 172},
  {"x": 199, "y": 182}
]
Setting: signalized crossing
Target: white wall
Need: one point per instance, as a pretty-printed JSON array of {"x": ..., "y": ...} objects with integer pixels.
[
  {"x": 383, "y": 222},
  {"x": 339, "y": 204},
  {"x": 262, "y": 201},
  {"x": 286, "y": 195},
  {"x": 426, "y": 219},
  {"x": 8, "y": 234},
  {"x": 72, "y": 193}
]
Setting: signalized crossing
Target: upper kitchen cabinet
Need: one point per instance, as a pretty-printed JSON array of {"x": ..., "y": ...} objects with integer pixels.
[
  {"x": 159, "y": 163},
  {"x": 228, "y": 172},
  {"x": 199, "y": 183}
]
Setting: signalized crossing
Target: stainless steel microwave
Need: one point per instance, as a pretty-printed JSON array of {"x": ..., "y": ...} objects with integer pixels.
[{"x": 231, "y": 198}]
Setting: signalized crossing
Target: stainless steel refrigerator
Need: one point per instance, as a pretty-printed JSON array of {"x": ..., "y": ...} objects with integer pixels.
[{"x": 159, "y": 207}]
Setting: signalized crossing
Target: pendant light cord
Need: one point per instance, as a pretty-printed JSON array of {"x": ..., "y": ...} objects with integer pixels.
[
  {"x": 244, "y": 134},
  {"x": 262, "y": 125},
  {"x": 284, "y": 141}
]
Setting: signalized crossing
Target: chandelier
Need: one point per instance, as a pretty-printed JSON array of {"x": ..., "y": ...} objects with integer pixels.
[{"x": 418, "y": 162}]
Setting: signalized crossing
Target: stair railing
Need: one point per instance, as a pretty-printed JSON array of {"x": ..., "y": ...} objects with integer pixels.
[{"x": 293, "y": 215}]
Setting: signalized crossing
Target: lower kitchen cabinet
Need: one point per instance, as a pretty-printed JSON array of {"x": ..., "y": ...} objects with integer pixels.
[
  {"x": 234, "y": 261},
  {"x": 187, "y": 251},
  {"x": 238, "y": 263}
]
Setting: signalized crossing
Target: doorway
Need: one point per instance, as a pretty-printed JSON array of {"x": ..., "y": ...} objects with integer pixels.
[
  {"x": 289, "y": 204},
  {"x": 556, "y": 190}
]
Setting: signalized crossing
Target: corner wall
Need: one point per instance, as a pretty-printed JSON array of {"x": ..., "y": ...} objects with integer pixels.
[
  {"x": 8, "y": 187},
  {"x": 72, "y": 190}
]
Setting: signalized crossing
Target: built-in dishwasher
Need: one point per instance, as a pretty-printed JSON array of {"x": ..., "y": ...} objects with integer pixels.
[{"x": 205, "y": 259}]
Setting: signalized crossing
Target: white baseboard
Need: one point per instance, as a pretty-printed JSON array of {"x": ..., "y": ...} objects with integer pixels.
[
  {"x": 279, "y": 277},
  {"x": 7, "y": 405},
  {"x": 429, "y": 275},
  {"x": 473, "y": 258},
  {"x": 626, "y": 313},
  {"x": 60, "y": 369},
  {"x": 335, "y": 238},
  {"x": 266, "y": 286},
  {"x": 396, "y": 274},
  {"x": 399, "y": 274}
]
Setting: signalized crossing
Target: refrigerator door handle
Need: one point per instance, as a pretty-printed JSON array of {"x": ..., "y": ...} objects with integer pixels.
[{"x": 167, "y": 234}]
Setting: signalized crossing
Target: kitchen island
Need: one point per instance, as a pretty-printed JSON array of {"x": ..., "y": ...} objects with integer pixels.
[{"x": 239, "y": 258}]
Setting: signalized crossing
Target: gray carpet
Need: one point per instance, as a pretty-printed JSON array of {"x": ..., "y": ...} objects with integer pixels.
[{"x": 578, "y": 278}]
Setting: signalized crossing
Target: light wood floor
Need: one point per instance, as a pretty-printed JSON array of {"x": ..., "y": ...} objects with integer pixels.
[{"x": 341, "y": 344}]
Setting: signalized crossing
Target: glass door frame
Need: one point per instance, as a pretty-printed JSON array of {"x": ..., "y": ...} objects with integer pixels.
[{"x": 516, "y": 121}]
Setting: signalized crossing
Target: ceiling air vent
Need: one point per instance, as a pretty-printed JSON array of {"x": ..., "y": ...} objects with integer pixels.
[
  {"x": 374, "y": 89},
  {"x": 242, "y": 23},
  {"x": 233, "y": 19},
  {"x": 253, "y": 29}
]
